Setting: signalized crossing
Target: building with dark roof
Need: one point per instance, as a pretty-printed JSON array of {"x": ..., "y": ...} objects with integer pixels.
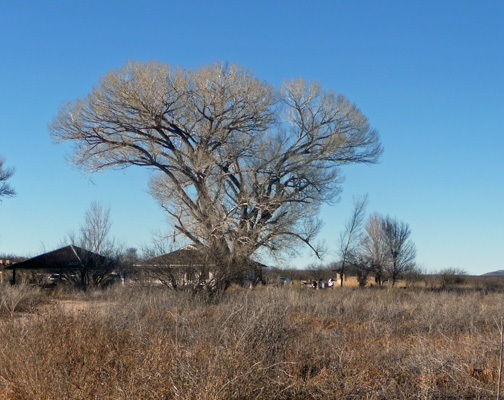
[
  {"x": 189, "y": 266},
  {"x": 69, "y": 262}
]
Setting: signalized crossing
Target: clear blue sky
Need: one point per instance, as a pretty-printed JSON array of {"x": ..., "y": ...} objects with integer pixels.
[{"x": 428, "y": 74}]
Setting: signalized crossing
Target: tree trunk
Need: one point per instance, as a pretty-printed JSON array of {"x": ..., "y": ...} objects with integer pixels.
[{"x": 342, "y": 272}]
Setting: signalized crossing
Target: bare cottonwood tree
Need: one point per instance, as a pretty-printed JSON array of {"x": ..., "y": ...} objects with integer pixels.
[
  {"x": 240, "y": 166},
  {"x": 350, "y": 238},
  {"x": 399, "y": 247},
  {"x": 5, "y": 174}
]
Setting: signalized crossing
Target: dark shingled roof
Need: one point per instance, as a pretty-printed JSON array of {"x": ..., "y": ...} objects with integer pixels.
[
  {"x": 184, "y": 257},
  {"x": 67, "y": 257}
]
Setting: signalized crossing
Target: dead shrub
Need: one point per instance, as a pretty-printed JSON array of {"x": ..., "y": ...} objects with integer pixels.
[
  {"x": 18, "y": 298},
  {"x": 269, "y": 343}
]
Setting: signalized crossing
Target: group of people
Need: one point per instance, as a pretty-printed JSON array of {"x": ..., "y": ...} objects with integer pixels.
[{"x": 321, "y": 284}]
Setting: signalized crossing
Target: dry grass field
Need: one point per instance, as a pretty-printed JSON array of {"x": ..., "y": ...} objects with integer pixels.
[{"x": 267, "y": 343}]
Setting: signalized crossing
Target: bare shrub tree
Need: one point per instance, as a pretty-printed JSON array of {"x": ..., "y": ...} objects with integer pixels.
[
  {"x": 125, "y": 260},
  {"x": 450, "y": 277},
  {"x": 160, "y": 271},
  {"x": 163, "y": 262},
  {"x": 89, "y": 270},
  {"x": 239, "y": 165},
  {"x": 101, "y": 254},
  {"x": 373, "y": 246},
  {"x": 363, "y": 267},
  {"x": 18, "y": 297},
  {"x": 399, "y": 247},
  {"x": 5, "y": 174},
  {"x": 94, "y": 233},
  {"x": 350, "y": 238},
  {"x": 415, "y": 276}
]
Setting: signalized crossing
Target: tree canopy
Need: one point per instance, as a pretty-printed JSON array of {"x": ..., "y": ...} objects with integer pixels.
[{"x": 238, "y": 164}]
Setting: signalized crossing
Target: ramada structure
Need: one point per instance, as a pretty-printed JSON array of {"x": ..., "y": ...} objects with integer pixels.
[{"x": 69, "y": 260}]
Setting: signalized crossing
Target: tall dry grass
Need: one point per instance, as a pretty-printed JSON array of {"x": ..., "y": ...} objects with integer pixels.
[{"x": 271, "y": 343}]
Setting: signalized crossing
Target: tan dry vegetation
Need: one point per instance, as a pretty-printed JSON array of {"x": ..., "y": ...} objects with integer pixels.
[{"x": 271, "y": 343}]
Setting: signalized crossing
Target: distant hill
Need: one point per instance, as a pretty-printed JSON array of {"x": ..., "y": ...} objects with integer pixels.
[{"x": 495, "y": 273}]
